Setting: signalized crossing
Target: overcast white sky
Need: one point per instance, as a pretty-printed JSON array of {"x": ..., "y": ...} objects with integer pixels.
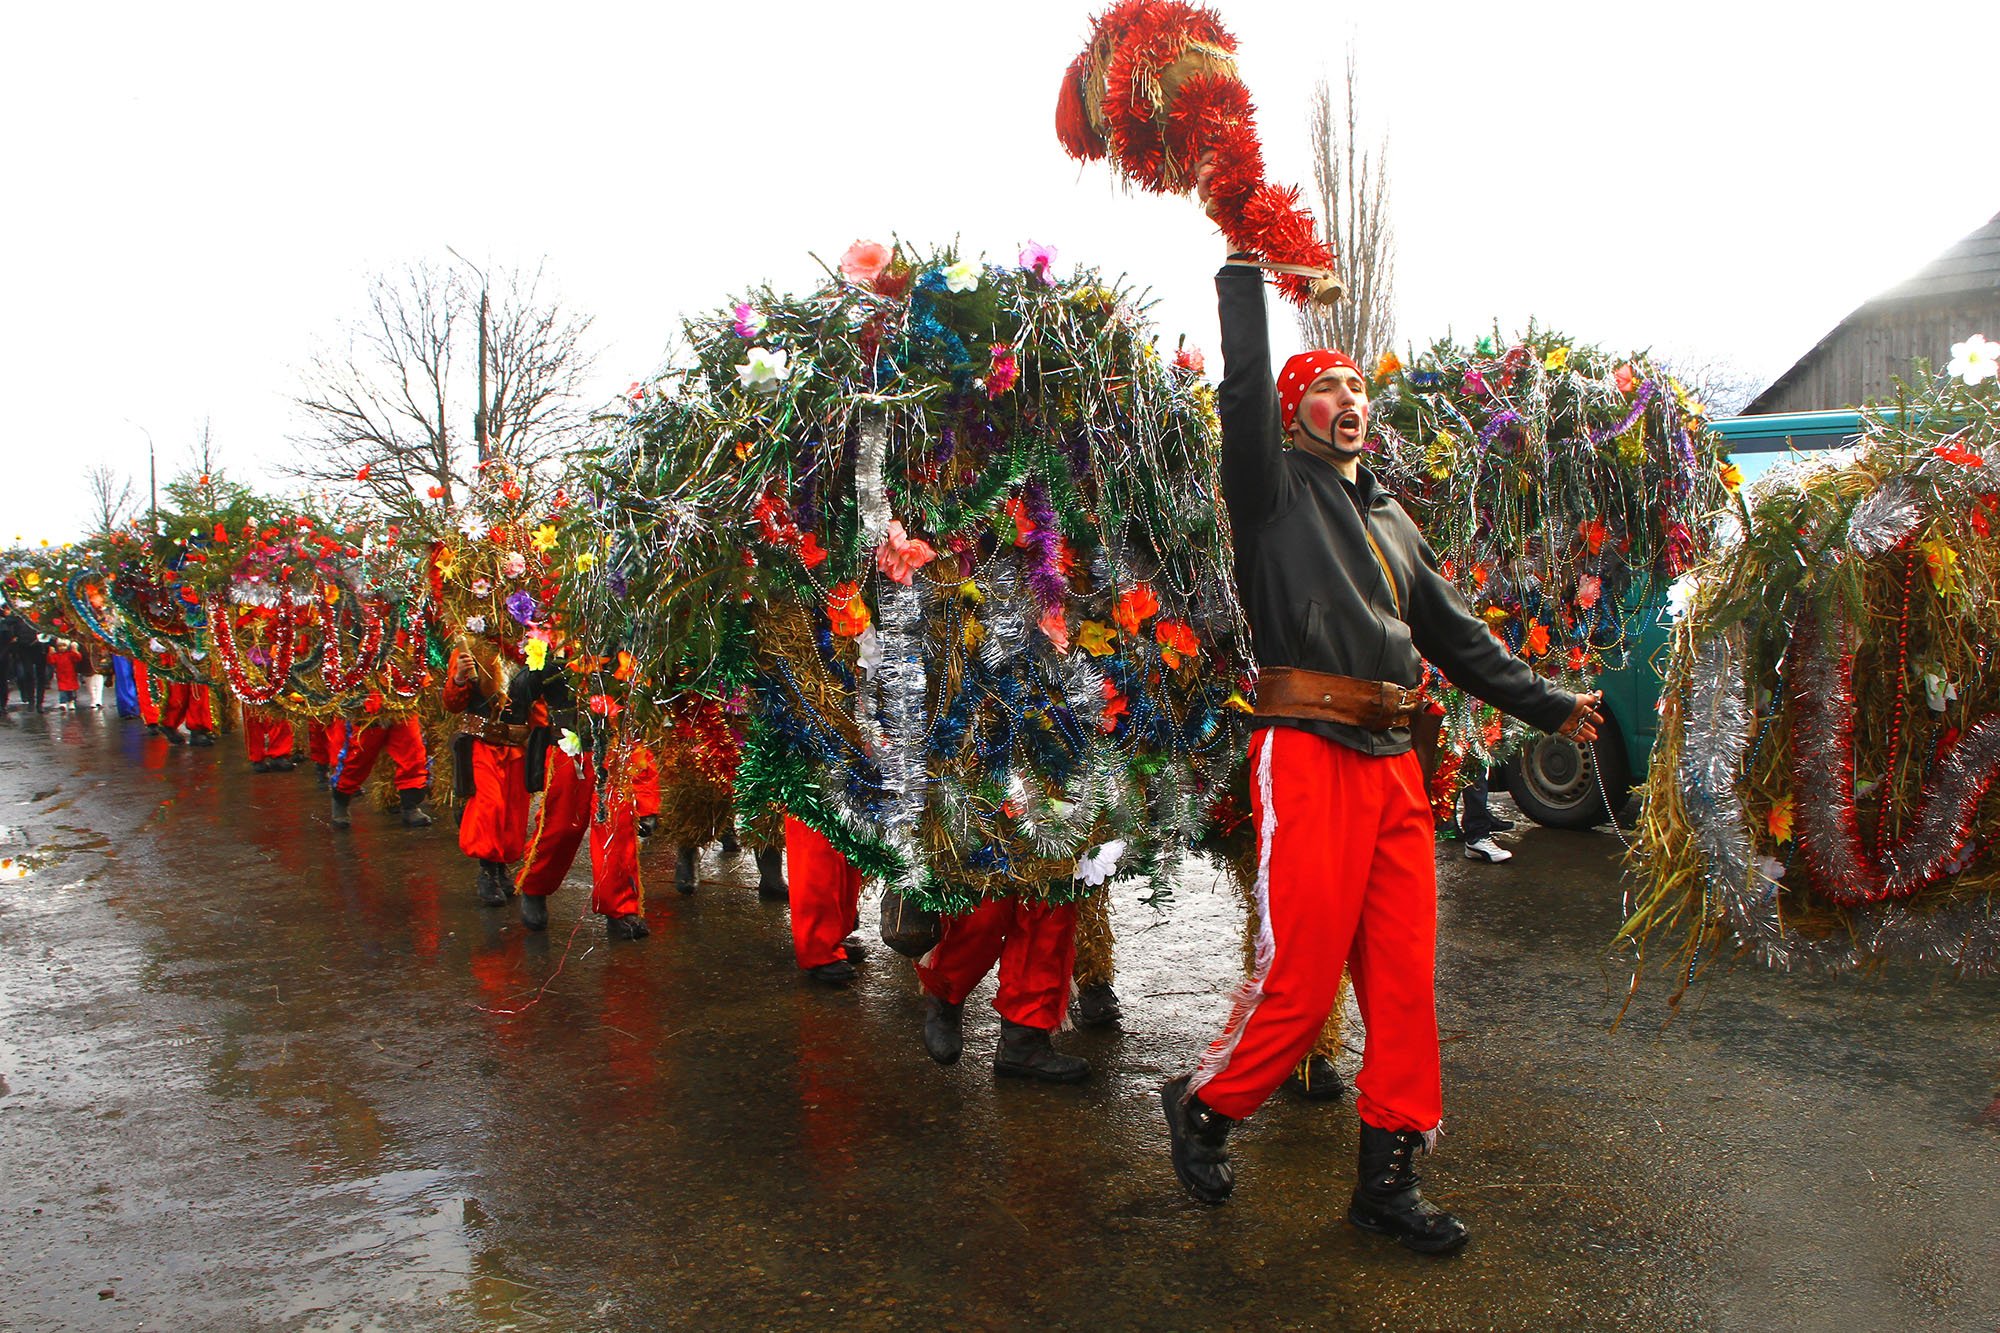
[{"x": 194, "y": 194}]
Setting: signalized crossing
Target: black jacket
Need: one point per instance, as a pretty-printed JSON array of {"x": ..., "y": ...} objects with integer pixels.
[{"x": 1333, "y": 576}]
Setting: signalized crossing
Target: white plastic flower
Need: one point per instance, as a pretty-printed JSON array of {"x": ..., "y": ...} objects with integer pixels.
[
  {"x": 962, "y": 276},
  {"x": 1975, "y": 360},
  {"x": 1093, "y": 868},
  {"x": 1938, "y": 692},
  {"x": 571, "y": 744},
  {"x": 475, "y": 624},
  {"x": 764, "y": 371},
  {"x": 1680, "y": 598},
  {"x": 869, "y": 644}
]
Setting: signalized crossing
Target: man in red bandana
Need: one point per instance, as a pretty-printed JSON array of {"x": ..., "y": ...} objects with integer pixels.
[{"x": 1344, "y": 602}]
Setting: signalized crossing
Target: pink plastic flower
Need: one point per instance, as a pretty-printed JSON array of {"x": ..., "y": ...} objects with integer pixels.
[
  {"x": 901, "y": 555},
  {"x": 750, "y": 321},
  {"x": 1038, "y": 259},
  {"x": 1006, "y": 370},
  {"x": 864, "y": 261},
  {"x": 514, "y": 565},
  {"x": 1055, "y": 628},
  {"x": 1474, "y": 383}
]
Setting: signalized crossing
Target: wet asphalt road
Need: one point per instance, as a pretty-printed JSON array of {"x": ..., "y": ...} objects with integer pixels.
[{"x": 257, "y": 1073}]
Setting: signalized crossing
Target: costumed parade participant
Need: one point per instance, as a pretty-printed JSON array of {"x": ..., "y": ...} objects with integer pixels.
[
  {"x": 268, "y": 740},
  {"x": 585, "y": 793},
  {"x": 1341, "y": 594},
  {"x": 490, "y": 770},
  {"x": 357, "y": 744},
  {"x": 825, "y": 892},
  {"x": 1034, "y": 944},
  {"x": 189, "y": 703}
]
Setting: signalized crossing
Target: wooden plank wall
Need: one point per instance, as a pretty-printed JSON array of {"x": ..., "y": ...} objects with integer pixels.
[{"x": 1862, "y": 361}]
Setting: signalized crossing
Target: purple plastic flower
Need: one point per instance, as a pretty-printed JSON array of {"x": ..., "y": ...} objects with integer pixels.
[{"x": 522, "y": 607}]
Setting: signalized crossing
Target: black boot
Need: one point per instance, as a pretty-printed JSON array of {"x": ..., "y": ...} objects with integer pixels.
[
  {"x": 173, "y": 735},
  {"x": 1097, "y": 1006},
  {"x": 261, "y": 766},
  {"x": 284, "y": 763},
  {"x": 1388, "y": 1202},
  {"x": 1316, "y": 1080},
  {"x": 1199, "y": 1141},
  {"x": 631, "y": 926},
  {"x": 493, "y": 884},
  {"x": 856, "y": 947},
  {"x": 771, "y": 874},
  {"x": 322, "y": 775},
  {"x": 730, "y": 846},
  {"x": 534, "y": 911},
  {"x": 684, "y": 873},
  {"x": 414, "y": 815},
  {"x": 839, "y": 972},
  {"x": 1025, "y": 1053},
  {"x": 339, "y": 816},
  {"x": 202, "y": 738},
  {"x": 944, "y": 1030}
]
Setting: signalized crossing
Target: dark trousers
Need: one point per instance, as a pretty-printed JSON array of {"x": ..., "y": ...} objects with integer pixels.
[{"x": 1475, "y": 820}]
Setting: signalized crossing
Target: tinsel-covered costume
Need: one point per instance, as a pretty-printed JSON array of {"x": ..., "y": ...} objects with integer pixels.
[{"x": 1342, "y": 595}]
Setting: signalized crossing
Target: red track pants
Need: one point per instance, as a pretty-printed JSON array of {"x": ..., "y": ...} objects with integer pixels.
[
  {"x": 149, "y": 707},
  {"x": 1345, "y": 875},
  {"x": 356, "y": 748},
  {"x": 1035, "y": 945},
  {"x": 266, "y": 735},
  {"x": 189, "y": 704},
  {"x": 826, "y": 896},
  {"x": 494, "y": 823},
  {"x": 319, "y": 743},
  {"x": 569, "y": 801}
]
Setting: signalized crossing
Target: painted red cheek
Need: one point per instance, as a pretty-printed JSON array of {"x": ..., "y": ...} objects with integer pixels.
[{"x": 1319, "y": 416}]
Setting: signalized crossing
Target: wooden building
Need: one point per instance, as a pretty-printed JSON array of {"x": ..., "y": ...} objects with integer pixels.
[{"x": 1956, "y": 295}]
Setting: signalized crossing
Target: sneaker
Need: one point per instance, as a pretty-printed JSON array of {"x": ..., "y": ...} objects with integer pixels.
[{"x": 1487, "y": 850}]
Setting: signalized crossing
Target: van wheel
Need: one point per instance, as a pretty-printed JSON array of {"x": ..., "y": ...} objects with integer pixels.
[{"x": 1556, "y": 783}]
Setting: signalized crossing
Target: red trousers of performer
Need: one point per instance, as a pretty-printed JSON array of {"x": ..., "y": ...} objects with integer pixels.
[
  {"x": 494, "y": 824},
  {"x": 189, "y": 704},
  {"x": 1035, "y": 945},
  {"x": 826, "y": 896},
  {"x": 569, "y": 801},
  {"x": 1345, "y": 875},
  {"x": 356, "y": 748},
  {"x": 149, "y": 707},
  {"x": 266, "y": 735},
  {"x": 319, "y": 743}
]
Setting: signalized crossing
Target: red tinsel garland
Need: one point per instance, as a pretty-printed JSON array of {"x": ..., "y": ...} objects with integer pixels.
[
  {"x": 283, "y": 641},
  {"x": 1169, "y": 93}
]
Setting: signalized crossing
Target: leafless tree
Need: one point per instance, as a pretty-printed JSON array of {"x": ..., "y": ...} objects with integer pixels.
[
  {"x": 1723, "y": 387},
  {"x": 1352, "y": 186},
  {"x": 442, "y": 374},
  {"x": 113, "y": 503}
]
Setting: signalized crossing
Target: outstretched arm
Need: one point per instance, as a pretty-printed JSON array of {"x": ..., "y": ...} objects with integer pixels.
[{"x": 1247, "y": 402}]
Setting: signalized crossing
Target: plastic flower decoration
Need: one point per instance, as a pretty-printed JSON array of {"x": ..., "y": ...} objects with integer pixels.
[
  {"x": 961, "y": 276},
  {"x": 545, "y": 538},
  {"x": 765, "y": 370},
  {"x": 1732, "y": 477},
  {"x": 571, "y": 744},
  {"x": 900, "y": 556},
  {"x": 1177, "y": 642},
  {"x": 1115, "y": 706},
  {"x": 1557, "y": 359},
  {"x": 482, "y": 587},
  {"x": 536, "y": 653},
  {"x": 514, "y": 564},
  {"x": 1095, "y": 867},
  {"x": 1135, "y": 607},
  {"x": 1779, "y": 821},
  {"x": 846, "y": 612},
  {"x": 1680, "y": 598},
  {"x": 1006, "y": 371},
  {"x": 1094, "y": 637},
  {"x": 750, "y": 321},
  {"x": 864, "y": 261},
  {"x": 522, "y": 607},
  {"x": 868, "y": 651},
  {"x": 1039, "y": 259},
  {"x": 1975, "y": 360},
  {"x": 475, "y": 625},
  {"x": 1055, "y": 628},
  {"x": 811, "y": 554}
]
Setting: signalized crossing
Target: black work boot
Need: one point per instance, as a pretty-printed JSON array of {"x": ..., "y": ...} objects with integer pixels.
[
  {"x": 771, "y": 874},
  {"x": 1388, "y": 1202},
  {"x": 414, "y": 814},
  {"x": 1199, "y": 1140},
  {"x": 173, "y": 735},
  {"x": 284, "y": 763},
  {"x": 630, "y": 926},
  {"x": 260, "y": 766},
  {"x": 730, "y": 846},
  {"x": 323, "y": 770},
  {"x": 493, "y": 884},
  {"x": 1097, "y": 1006},
  {"x": 534, "y": 911},
  {"x": 684, "y": 872},
  {"x": 839, "y": 972},
  {"x": 856, "y": 947},
  {"x": 944, "y": 1030},
  {"x": 1024, "y": 1052},
  {"x": 202, "y": 738},
  {"x": 1315, "y": 1079},
  {"x": 339, "y": 816}
]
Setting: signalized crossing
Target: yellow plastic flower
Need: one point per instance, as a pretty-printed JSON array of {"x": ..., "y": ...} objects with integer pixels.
[
  {"x": 1943, "y": 562},
  {"x": 1732, "y": 477},
  {"x": 537, "y": 653},
  {"x": 1556, "y": 360},
  {"x": 585, "y": 560},
  {"x": 545, "y": 537},
  {"x": 1779, "y": 821},
  {"x": 1094, "y": 637}
]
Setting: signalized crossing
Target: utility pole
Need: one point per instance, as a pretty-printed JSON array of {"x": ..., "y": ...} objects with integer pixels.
[{"x": 482, "y": 419}]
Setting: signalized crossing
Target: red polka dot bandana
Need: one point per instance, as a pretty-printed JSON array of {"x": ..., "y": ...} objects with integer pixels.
[{"x": 1300, "y": 372}]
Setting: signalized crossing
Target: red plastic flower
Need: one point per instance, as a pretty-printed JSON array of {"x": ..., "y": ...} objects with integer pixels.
[
  {"x": 847, "y": 612},
  {"x": 362, "y": 475},
  {"x": 1024, "y": 527},
  {"x": 1592, "y": 532},
  {"x": 864, "y": 261},
  {"x": 1115, "y": 707},
  {"x": 1963, "y": 457},
  {"x": 1135, "y": 607},
  {"x": 1177, "y": 641},
  {"x": 811, "y": 553}
]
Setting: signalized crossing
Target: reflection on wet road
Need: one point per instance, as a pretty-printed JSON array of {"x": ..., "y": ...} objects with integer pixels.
[{"x": 257, "y": 1073}]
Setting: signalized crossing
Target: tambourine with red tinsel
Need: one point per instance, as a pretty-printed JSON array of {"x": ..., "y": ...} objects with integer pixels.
[{"x": 1157, "y": 88}]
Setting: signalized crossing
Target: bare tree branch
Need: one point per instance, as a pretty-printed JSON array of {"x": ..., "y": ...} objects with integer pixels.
[
  {"x": 379, "y": 411},
  {"x": 1353, "y": 195},
  {"x": 113, "y": 502}
]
